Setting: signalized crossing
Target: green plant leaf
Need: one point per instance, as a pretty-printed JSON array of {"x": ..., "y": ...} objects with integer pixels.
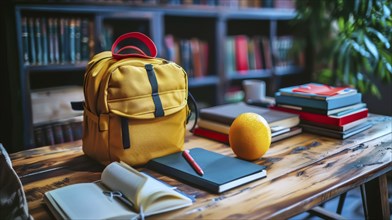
[
  {"x": 341, "y": 24},
  {"x": 387, "y": 12},
  {"x": 357, "y": 5},
  {"x": 369, "y": 8},
  {"x": 372, "y": 47},
  {"x": 380, "y": 36},
  {"x": 360, "y": 82},
  {"x": 342, "y": 50},
  {"x": 360, "y": 49},
  {"x": 380, "y": 69},
  {"x": 353, "y": 80},
  {"x": 388, "y": 66},
  {"x": 374, "y": 90}
]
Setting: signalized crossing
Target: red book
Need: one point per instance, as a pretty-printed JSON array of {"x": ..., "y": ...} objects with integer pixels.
[
  {"x": 325, "y": 119},
  {"x": 213, "y": 135},
  {"x": 224, "y": 138},
  {"x": 258, "y": 58},
  {"x": 241, "y": 52}
]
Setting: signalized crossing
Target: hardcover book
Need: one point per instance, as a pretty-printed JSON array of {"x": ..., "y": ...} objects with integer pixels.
[
  {"x": 45, "y": 51},
  {"x": 38, "y": 39},
  {"x": 337, "y": 111},
  {"x": 224, "y": 138},
  {"x": 336, "y": 134},
  {"x": 25, "y": 41},
  {"x": 241, "y": 53},
  {"x": 335, "y": 127},
  {"x": 223, "y": 128},
  {"x": 225, "y": 114},
  {"x": 317, "y": 91},
  {"x": 318, "y": 104},
  {"x": 33, "y": 55},
  {"x": 327, "y": 119},
  {"x": 217, "y": 178},
  {"x": 122, "y": 193}
]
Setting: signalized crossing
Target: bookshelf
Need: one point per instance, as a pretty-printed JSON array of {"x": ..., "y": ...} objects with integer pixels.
[{"x": 173, "y": 27}]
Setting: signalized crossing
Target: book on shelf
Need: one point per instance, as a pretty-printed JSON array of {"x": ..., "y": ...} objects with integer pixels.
[
  {"x": 186, "y": 56},
  {"x": 47, "y": 40},
  {"x": 91, "y": 38},
  {"x": 191, "y": 54},
  {"x": 170, "y": 52},
  {"x": 245, "y": 53},
  {"x": 251, "y": 54},
  {"x": 317, "y": 91},
  {"x": 337, "y": 111},
  {"x": 68, "y": 133},
  {"x": 225, "y": 114},
  {"x": 72, "y": 39},
  {"x": 282, "y": 46},
  {"x": 334, "y": 133},
  {"x": 122, "y": 192},
  {"x": 106, "y": 37},
  {"x": 78, "y": 40},
  {"x": 217, "y": 178},
  {"x": 204, "y": 53},
  {"x": 230, "y": 55},
  {"x": 58, "y": 132},
  {"x": 31, "y": 35},
  {"x": 224, "y": 138},
  {"x": 25, "y": 40},
  {"x": 326, "y": 119},
  {"x": 56, "y": 40},
  {"x": 84, "y": 41},
  {"x": 51, "y": 40},
  {"x": 316, "y": 103},
  {"x": 196, "y": 58},
  {"x": 45, "y": 50},
  {"x": 38, "y": 40},
  {"x": 258, "y": 56},
  {"x": 49, "y": 135},
  {"x": 266, "y": 48},
  {"x": 241, "y": 53}
]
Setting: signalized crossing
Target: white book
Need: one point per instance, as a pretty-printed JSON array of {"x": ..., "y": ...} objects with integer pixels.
[{"x": 122, "y": 192}]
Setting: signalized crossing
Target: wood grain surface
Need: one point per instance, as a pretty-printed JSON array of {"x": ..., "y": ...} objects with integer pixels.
[{"x": 303, "y": 171}]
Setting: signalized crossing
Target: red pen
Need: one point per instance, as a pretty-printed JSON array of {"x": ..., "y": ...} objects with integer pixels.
[{"x": 192, "y": 162}]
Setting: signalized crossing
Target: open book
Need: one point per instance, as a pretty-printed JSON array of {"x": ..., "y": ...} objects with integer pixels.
[{"x": 122, "y": 192}]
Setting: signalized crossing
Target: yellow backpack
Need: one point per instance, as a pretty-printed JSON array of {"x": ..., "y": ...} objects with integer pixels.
[{"x": 136, "y": 105}]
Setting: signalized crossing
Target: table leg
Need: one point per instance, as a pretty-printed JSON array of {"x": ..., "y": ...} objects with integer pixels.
[{"x": 377, "y": 198}]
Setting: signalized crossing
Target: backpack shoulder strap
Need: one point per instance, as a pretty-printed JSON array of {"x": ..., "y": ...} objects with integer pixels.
[{"x": 192, "y": 100}]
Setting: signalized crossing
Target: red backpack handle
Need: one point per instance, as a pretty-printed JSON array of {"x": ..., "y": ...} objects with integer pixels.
[{"x": 134, "y": 35}]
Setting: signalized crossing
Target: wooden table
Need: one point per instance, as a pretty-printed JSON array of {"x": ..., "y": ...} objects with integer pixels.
[{"x": 303, "y": 171}]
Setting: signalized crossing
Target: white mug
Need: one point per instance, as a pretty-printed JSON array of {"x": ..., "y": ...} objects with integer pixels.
[{"x": 254, "y": 90}]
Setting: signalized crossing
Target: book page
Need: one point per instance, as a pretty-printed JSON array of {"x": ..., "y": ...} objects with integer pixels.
[
  {"x": 87, "y": 201},
  {"x": 158, "y": 197},
  {"x": 123, "y": 178},
  {"x": 143, "y": 190}
]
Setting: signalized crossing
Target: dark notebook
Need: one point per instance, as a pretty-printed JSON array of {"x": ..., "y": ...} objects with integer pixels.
[{"x": 221, "y": 172}]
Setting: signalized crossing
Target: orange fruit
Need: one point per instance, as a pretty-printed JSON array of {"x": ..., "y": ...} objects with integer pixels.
[{"x": 250, "y": 136}]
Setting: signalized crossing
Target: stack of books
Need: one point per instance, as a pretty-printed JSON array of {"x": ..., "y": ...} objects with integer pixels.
[
  {"x": 214, "y": 122},
  {"x": 336, "y": 112}
]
